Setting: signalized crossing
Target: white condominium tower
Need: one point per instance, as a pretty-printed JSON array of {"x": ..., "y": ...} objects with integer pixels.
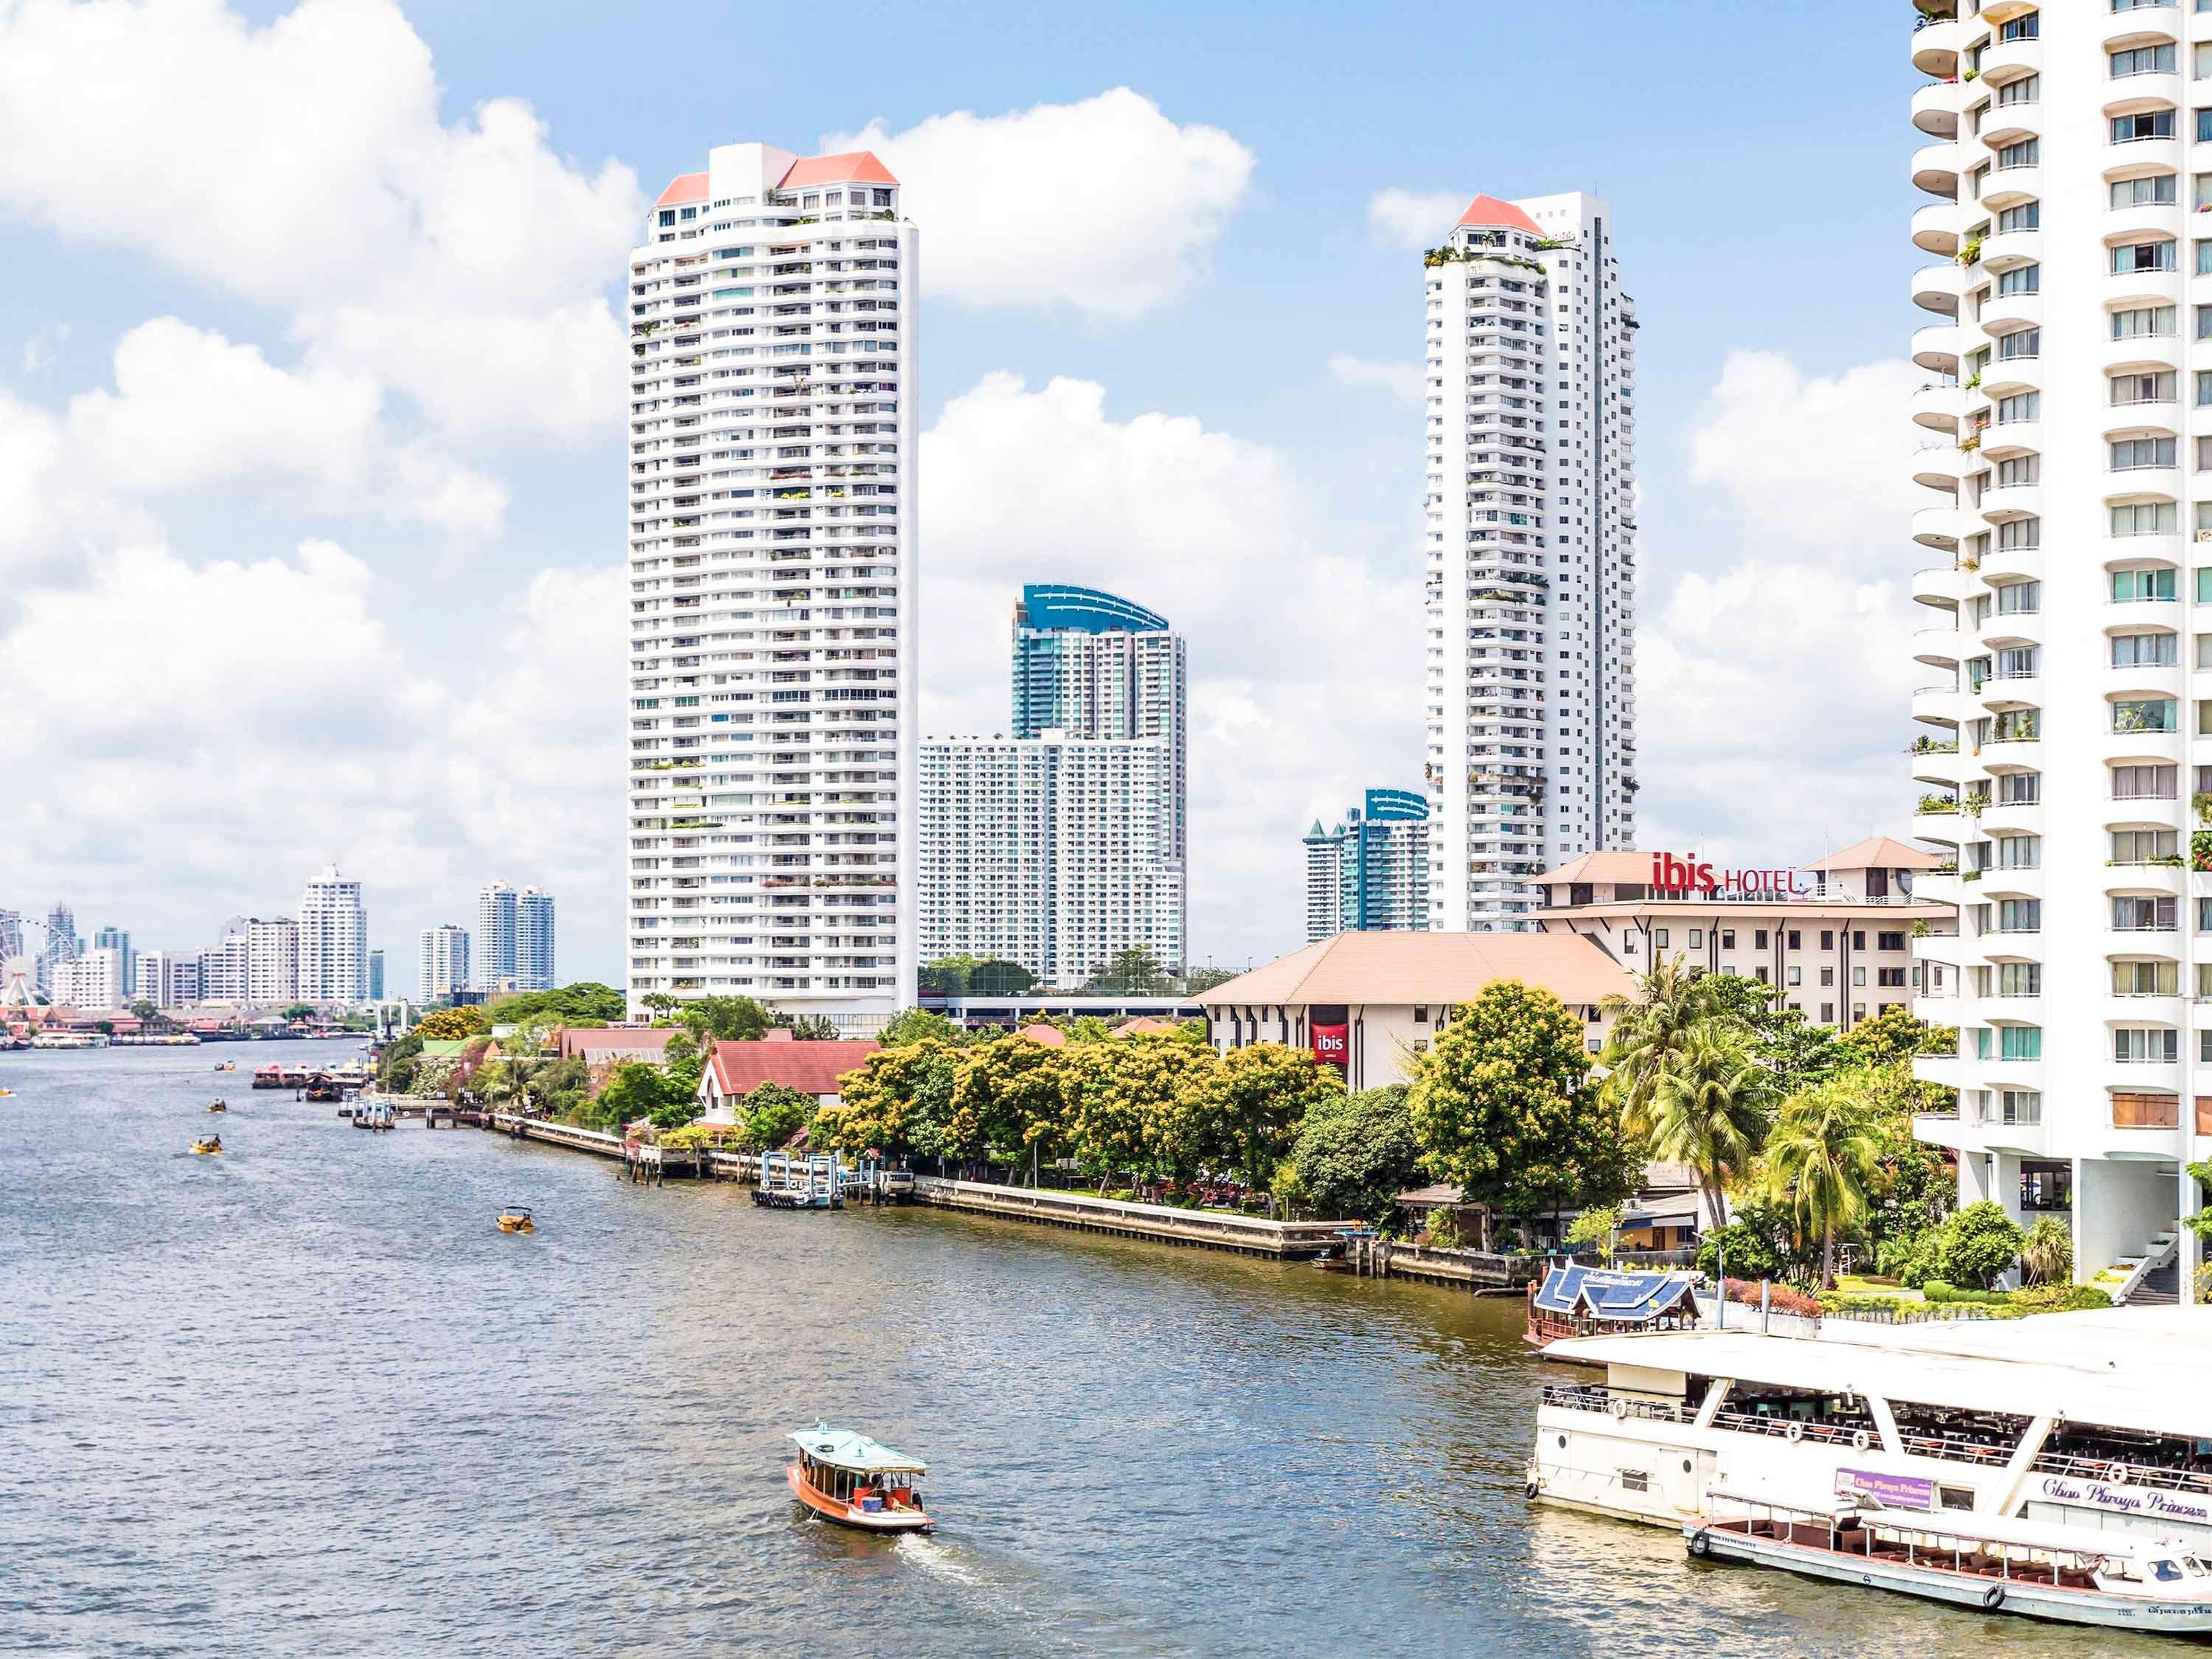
[
  {"x": 333, "y": 941},
  {"x": 1531, "y": 595},
  {"x": 2068, "y": 338},
  {"x": 771, "y": 504},
  {"x": 491, "y": 965},
  {"x": 442, "y": 961},
  {"x": 533, "y": 940}
]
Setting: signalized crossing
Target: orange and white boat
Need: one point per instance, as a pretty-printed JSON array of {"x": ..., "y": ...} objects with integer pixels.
[{"x": 858, "y": 1482}]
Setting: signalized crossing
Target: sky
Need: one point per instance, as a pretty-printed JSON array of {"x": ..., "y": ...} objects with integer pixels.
[{"x": 311, "y": 398}]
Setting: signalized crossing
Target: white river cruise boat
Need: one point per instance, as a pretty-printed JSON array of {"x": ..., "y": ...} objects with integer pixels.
[{"x": 2081, "y": 1420}]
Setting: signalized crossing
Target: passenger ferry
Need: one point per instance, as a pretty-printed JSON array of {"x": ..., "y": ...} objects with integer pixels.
[
  {"x": 2086, "y": 1420},
  {"x": 857, "y": 1482}
]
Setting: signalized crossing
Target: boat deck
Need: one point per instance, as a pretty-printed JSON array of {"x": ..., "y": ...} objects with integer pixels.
[{"x": 1866, "y": 1547}]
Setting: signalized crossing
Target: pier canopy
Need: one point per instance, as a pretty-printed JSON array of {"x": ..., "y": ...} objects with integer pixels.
[
  {"x": 843, "y": 1449},
  {"x": 1575, "y": 1292}
]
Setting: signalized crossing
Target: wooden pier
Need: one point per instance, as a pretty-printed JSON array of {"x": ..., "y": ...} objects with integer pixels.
[
  {"x": 1164, "y": 1223},
  {"x": 1480, "y": 1270}
]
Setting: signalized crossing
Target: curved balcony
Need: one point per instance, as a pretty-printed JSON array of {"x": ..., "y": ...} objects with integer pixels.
[
  {"x": 1936, "y": 109},
  {"x": 1999, "y": 883},
  {"x": 1940, "y": 465},
  {"x": 1936, "y": 168},
  {"x": 1944, "y": 584},
  {"x": 2002, "y": 250},
  {"x": 2142, "y": 483},
  {"x": 2002, "y": 441},
  {"x": 2009, "y": 60},
  {"x": 2138, "y": 680},
  {"x": 2000, "y": 693},
  {"x": 1936, "y": 347},
  {"x": 1939, "y": 527},
  {"x": 1938, "y": 705},
  {"x": 2011, "y": 502},
  {"x": 2141, "y": 749},
  {"x": 2145, "y": 221},
  {"x": 2141, "y": 354},
  {"x": 2138, "y": 156},
  {"x": 2012, "y": 627},
  {"x": 2124, "y": 290},
  {"x": 2148, "y": 417},
  {"x": 2005, "y": 187},
  {"x": 2010, "y": 376},
  {"x": 1936, "y": 228},
  {"x": 2134, "y": 94},
  {"x": 1935, "y": 47},
  {"x": 1938, "y": 287},
  {"x": 1946, "y": 768},
  {"x": 2147, "y": 552},
  {"x": 1936, "y": 406},
  {"x": 2154, "y": 25},
  {"x": 2001, "y": 565},
  {"x": 2004, "y": 314},
  {"x": 2018, "y": 818},
  {"x": 1938, "y": 646}
]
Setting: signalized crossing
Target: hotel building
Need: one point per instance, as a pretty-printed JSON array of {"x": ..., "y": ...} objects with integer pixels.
[
  {"x": 1835, "y": 935},
  {"x": 2067, "y": 337},
  {"x": 1531, "y": 579},
  {"x": 1371, "y": 874},
  {"x": 333, "y": 935},
  {"x": 771, "y": 502}
]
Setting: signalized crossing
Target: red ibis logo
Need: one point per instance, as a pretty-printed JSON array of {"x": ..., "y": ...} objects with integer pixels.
[
  {"x": 1332, "y": 1045},
  {"x": 1670, "y": 874}
]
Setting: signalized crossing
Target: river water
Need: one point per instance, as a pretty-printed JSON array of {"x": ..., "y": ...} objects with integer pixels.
[{"x": 305, "y": 1399}]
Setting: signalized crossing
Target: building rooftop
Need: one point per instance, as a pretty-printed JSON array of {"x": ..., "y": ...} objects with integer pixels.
[
  {"x": 854, "y": 167},
  {"x": 1877, "y": 852},
  {"x": 1392, "y": 968},
  {"x": 812, "y": 1068},
  {"x": 1488, "y": 211}
]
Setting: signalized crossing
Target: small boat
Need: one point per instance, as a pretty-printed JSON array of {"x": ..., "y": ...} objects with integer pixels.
[
  {"x": 212, "y": 1144},
  {"x": 217, "y": 1106},
  {"x": 857, "y": 1482},
  {"x": 2123, "y": 1578},
  {"x": 227, "y": 1066},
  {"x": 517, "y": 1220}
]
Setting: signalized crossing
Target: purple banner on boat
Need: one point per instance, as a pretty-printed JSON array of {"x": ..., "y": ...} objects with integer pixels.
[{"x": 1893, "y": 1491}]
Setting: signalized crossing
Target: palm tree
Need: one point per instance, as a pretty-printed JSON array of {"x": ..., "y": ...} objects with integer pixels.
[
  {"x": 1650, "y": 1030},
  {"x": 498, "y": 1084},
  {"x": 1821, "y": 1160},
  {"x": 1711, "y": 1111}
]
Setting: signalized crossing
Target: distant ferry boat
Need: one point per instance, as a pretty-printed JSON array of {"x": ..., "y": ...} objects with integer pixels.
[
  {"x": 2073, "y": 1420},
  {"x": 69, "y": 1040}
]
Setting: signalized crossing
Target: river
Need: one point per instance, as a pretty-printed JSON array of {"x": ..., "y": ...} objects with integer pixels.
[{"x": 304, "y": 1398}]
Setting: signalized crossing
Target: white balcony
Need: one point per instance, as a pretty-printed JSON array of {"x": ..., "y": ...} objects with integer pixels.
[
  {"x": 1935, "y": 45},
  {"x": 1935, "y": 112},
  {"x": 1936, "y": 347},
  {"x": 1936, "y": 168},
  {"x": 1938, "y": 406},
  {"x": 1937, "y": 288}
]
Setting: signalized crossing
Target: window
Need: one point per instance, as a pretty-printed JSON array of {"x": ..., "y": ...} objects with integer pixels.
[
  {"x": 2129, "y": 585},
  {"x": 2131, "y": 255},
  {"x": 2027, "y": 89},
  {"x": 2146, "y": 519},
  {"x": 1761, "y": 972},
  {"x": 2028, "y": 279},
  {"x": 2143, "y": 60},
  {"x": 1827, "y": 938},
  {"x": 2143, "y": 782},
  {"x": 2009, "y": 1043},
  {"x": 2146, "y": 1047},
  {"x": 1827, "y": 976},
  {"x": 2146, "y": 714},
  {"x": 1794, "y": 940},
  {"x": 2019, "y": 851},
  {"x": 2133, "y": 454},
  {"x": 2019, "y": 788},
  {"x": 1659, "y": 938},
  {"x": 2140, "y": 322},
  {"x": 2020, "y": 533},
  {"x": 2020, "y": 915},
  {"x": 1796, "y": 975},
  {"x": 2019, "y": 345},
  {"x": 1893, "y": 941},
  {"x": 2015, "y": 725},
  {"x": 2144, "y": 651},
  {"x": 2028, "y": 216},
  {"x": 2155, "y": 388},
  {"x": 2021, "y": 469},
  {"x": 1727, "y": 939},
  {"x": 1758, "y": 940},
  {"x": 2026, "y": 27},
  {"x": 2132, "y": 915},
  {"x": 2141, "y": 846},
  {"x": 2020, "y": 406},
  {"x": 2019, "y": 598},
  {"x": 2017, "y": 662},
  {"x": 2203, "y": 388},
  {"x": 2020, "y": 978},
  {"x": 2146, "y": 978},
  {"x": 2129, "y": 128},
  {"x": 1827, "y": 1012},
  {"x": 1892, "y": 977},
  {"x": 1858, "y": 976},
  {"x": 2029, "y": 151}
]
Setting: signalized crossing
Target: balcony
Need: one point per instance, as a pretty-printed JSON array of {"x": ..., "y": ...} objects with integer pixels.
[
  {"x": 1938, "y": 705},
  {"x": 1936, "y": 168},
  {"x": 2003, "y": 187},
  {"x": 2133, "y": 95},
  {"x": 1937, "y": 288},
  {"x": 1940, "y": 526},
  {"x": 1936, "y": 347},
  {"x": 1944, "y": 584},
  {"x": 1940, "y": 465},
  {"x": 1938, "y": 406},
  {"x": 1935, "y": 112},
  {"x": 1935, "y": 47}
]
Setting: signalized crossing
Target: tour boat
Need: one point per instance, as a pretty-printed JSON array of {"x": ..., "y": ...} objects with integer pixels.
[
  {"x": 517, "y": 1220},
  {"x": 2124, "y": 1579},
  {"x": 269, "y": 1077},
  {"x": 1578, "y": 1301},
  {"x": 856, "y": 1482},
  {"x": 2073, "y": 1419}
]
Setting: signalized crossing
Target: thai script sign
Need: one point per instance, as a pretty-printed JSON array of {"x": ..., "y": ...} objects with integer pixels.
[
  {"x": 1670, "y": 874},
  {"x": 2126, "y": 1500},
  {"x": 1891, "y": 1492},
  {"x": 1332, "y": 1045}
]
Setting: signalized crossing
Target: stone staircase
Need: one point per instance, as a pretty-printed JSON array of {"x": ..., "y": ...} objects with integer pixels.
[
  {"x": 2159, "y": 1288},
  {"x": 2151, "y": 1279}
]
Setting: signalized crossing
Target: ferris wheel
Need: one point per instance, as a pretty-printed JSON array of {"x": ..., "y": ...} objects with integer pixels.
[{"x": 19, "y": 986}]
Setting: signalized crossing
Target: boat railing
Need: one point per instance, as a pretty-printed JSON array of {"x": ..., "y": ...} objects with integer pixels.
[
  {"x": 1584, "y": 1397},
  {"x": 1780, "y": 1427},
  {"x": 2118, "y": 1471}
]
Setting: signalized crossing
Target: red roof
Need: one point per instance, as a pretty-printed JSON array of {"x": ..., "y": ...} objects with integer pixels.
[
  {"x": 1143, "y": 1025},
  {"x": 812, "y": 1068},
  {"x": 1050, "y": 1035},
  {"x": 687, "y": 187},
  {"x": 854, "y": 167},
  {"x": 1489, "y": 210},
  {"x": 605, "y": 1039}
]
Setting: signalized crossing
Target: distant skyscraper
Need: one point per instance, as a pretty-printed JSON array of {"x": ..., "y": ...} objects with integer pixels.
[
  {"x": 119, "y": 940},
  {"x": 769, "y": 509},
  {"x": 492, "y": 962},
  {"x": 376, "y": 975},
  {"x": 533, "y": 940},
  {"x": 443, "y": 962},
  {"x": 62, "y": 943},
  {"x": 168, "y": 979},
  {"x": 1371, "y": 874},
  {"x": 223, "y": 968},
  {"x": 11, "y": 934},
  {"x": 272, "y": 960},
  {"x": 93, "y": 981},
  {"x": 333, "y": 941}
]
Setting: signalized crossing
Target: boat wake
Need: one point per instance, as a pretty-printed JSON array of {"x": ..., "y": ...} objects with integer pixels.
[{"x": 943, "y": 1560}]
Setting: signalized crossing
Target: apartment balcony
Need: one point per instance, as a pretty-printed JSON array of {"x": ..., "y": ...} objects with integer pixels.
[
  {"x": 2004, "y": 187},
  {"x": 2016, "y": 754},
  {"x": 1938, "y": 407},
  {"x": 2134, "y": 94},
  {"x": 1941, "y": 525},
  {"x": 1938, "y": 705},
  {"x": 2009, "y": 60},
  {"x": 1940, "y": 465},
  {"x": 2006, "y": 376},
  {"x": 2013, "y": 501},
  {"x": 2011, "y": 818},
  {"x": 1936, "y": 168},
  {"x": 2129, "y": 289},
  {"x": 1945, "y": 585},
  {"x": 1939, "y": 647},
  {"x": 2136, "y": 157},
  {"x": 1938, "y": 287},
  {"x": 2003, "y": 249},
  {"x": 1945, "y": 768},
  {"x": 2006, "y": 313},
  {"x": 1935, "y": 47},
  {"x": 1935, "y": 112},
  {"x": 1936, "y": 347},
  {"x": 2003, "y": 564}
]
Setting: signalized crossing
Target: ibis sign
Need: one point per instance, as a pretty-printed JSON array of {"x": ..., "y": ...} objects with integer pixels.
[{"x": 1673, "y": 874}]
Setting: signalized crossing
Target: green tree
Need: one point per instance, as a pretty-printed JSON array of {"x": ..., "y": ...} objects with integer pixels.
[
  {"x": 1712, "y": 1111},
  {"x": 1135, "y": 971},
  {"x": 397, "y": 1065},
  {"x": 1261, "y": 1094},
  {"x": 1010, "y": 1093},
  {"x": 683, "y": 1060},
  {"x": 897, "y": 1100},
  {"x": 1756, "y": 1245},
  {"x": 1196, "y": 981},
  {"x": 496, "y": 1084},
  {"x": 772, "y": 1114},
  {"x": 452, "y": 1024},
  {"x": 1355, "y": 1153},
  {"x": 725, "y": 1019},
  {"x": 585, "y": 1003},
  {"x": 639, "y": 1092},
  {"x": 1594, "y": 1229},
  {"x": 971, "y": 975},
  {"x": 1799, "y": 1053},
  {"x": 1822, "y": 1161},
  {"x": 1649, "y": 1031},
  {"x": 1979, "y": 1245},
  {"x": 1503, "y": 1107},
  {"x": 913, "y": 1025},
  {"x": 299, "y": 1010},
  {"x": 2046, "y": 1253},
  {"x": 1894, "y": 1037},
  {"x": 1150, "y": 1108},
  {"x": 660, "y": 1003},
  {"x": 144, "y": 1009},
  {"x": 806, "y": 1027}
]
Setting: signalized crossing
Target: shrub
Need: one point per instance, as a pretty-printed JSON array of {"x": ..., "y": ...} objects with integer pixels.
[
  {"x": 2046, "y": 1255},
  {"x": 2060, "y": 1298},
  {"x": 1749, "y": 1249},
  {"x": 1980, "y": 1243},
  {"x": 1782, "y": 1298}
]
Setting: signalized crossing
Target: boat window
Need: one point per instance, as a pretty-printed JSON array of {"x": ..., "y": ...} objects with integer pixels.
[
  {"x": 1955, "y": 1498},
  {"x": 2091, "y": 1451},
  {"x": 1965, "y": 1437},
  {"x": 2166, "y": 1573},
  {"x": 1801, "y": 1414}
]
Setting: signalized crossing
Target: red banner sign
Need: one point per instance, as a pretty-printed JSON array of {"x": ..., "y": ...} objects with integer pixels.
[
  {"x": 1332, "y": 1046},
  {"x": 1670, "y": 874}
]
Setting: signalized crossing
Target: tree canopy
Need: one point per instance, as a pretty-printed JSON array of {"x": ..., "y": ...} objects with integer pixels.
[
  {"x": 1356, "y": 1152},
  {"x": 584, "y": 1002},
  {"x": 452, "y": 1024},
  {"x": 971, "y": 975}
]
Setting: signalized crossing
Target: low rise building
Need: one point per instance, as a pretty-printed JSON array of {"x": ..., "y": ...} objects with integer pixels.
[
  {"x": 1367, "y": 1003},
  {"x": 735, "y": 1070},
  {"x": 1835, "y": 935}
]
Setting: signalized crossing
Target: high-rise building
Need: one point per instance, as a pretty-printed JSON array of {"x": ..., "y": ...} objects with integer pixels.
[
  {"x": 333, "y": 932},
  {"x": 169, "y": 979},
  {"x": 1053, "y": 852},
  {"x": 1371, "y": 874},
  {"x": 771, "y": 415},
  {"x": 376, "y": 975},
  {"x": 118, "y": 939},
  {"x": 443, "y": 962},
  {"x": 1098, "y": 667},
  {"x": 533, "y": 940},
  {"x": 11, "y": 934},
  {"x": 224, "y": 976},
  {"x": 2061, "y": 170},
  {"x": 1531, "y": 596},
  {"x": 62, "y": 944},
  {"x": 492, "y": 947},
  {"x": 92, "y": 981},
  {"x": 272, "y": 960}
]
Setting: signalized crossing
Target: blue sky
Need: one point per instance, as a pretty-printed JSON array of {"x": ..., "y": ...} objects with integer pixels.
[{"x": 431, "y": 706}]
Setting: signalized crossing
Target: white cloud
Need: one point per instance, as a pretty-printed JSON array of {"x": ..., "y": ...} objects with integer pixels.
[
  {"x": 304, "y": 166},
  {"x": 1408, "y": 218},
  {"x": 1401, "y": 380},
  {"x": 1106, "y": 205},
  {"x": 1304, "y": 662}
]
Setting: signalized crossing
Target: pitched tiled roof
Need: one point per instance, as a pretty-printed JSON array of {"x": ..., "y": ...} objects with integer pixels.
[
  {"x": 853, "y": 166},
  {"x": 1878, "y": 853},
  {"x": 1489, "y": 210},
  {"x": 1050, "y": 1035},
  {"x": 1390, "y": 969},
  {"x": 644, "y": 1043},
  {"x": 686, "y": 187},
  {"x": 812, "y": 1068}
]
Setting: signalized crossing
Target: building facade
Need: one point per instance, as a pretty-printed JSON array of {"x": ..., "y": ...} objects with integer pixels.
[
  {"x": 442, "y": 961},
  {"x": 1053, "y": 852},
  {"x": 223, "y": 968},
  {"x": 118, "y": 939},
  {"x": 2066, "y": 339},
  {"x": 62, "y": 944},
  {"x": 169, "y": 979},
  {"x": 1371, "y": 874},
  {"x": 491, "y": 964},
  {"x": 1531, "y": 550},
  {"x": 272, "y": 960},
  {"x": 93, "y": 980},
  {"x": 376, "y": 975},
  {"x": 770, "y": 510},
  {"x": 333, "y": 931},
  {"x": 1836, "y": 936},
  {"x": 534, "y": 967}
]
